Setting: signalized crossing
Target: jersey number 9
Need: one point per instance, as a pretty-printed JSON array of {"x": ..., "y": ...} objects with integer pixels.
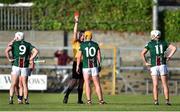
[{"x": 22, "y": 49}]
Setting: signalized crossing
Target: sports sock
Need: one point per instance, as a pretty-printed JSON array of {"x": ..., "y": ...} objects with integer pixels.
[
  {"x": 17, "y": 96},
  {"x": 167, "y": 100},
  {"x": 71, "y": 86},
  {"x": 10, "y": 97},
  {"x": 80, "y": 92},
  {"x": 20, "y": 97},
  {"x": 68, "y": 92}
]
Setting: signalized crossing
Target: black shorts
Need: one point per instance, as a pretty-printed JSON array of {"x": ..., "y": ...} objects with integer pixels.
[{"x": 75, "y": 75}]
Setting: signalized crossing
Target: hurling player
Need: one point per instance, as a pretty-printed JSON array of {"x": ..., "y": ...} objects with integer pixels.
[
  {"x": 23, "y": 54},
  {"x": 158, "y": 53},
  {"x": 90, "y": 54}
]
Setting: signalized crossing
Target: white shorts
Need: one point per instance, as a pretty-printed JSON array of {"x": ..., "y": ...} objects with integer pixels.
[
  {"x": 91, "y": 71},
  {"x": 159, "y": 70},
  {"x": 20, "y": 71}
]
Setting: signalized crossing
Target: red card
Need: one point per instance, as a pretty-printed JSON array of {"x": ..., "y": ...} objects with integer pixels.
[{"x": 76, "y": 13}]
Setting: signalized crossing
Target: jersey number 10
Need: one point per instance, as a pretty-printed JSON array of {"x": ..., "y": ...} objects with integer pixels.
[{"x": 90, "y": 51}]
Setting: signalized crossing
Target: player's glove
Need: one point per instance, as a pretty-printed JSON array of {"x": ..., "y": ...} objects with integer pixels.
[
  {"x": 99, "y": 69},
  {"x": 30, "y": 71}
]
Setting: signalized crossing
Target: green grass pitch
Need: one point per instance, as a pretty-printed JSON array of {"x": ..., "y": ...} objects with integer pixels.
[{"x": 53, "y": 102}]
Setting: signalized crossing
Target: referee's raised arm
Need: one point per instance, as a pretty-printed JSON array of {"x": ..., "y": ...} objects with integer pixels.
[{"x": 76, "y": 18}]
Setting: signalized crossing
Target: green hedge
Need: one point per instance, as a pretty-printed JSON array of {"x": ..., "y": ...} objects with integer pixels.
[
  {"x": 118, "y": 15},
  {"x": 172, "y": 25}
]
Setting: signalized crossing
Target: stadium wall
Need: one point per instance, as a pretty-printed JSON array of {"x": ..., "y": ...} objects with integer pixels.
[{"x": 55, "y": 38}]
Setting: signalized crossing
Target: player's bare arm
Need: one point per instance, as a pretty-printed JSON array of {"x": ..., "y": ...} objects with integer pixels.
[
  {"x": 7, "y": 50},
  {"x": 31, "y": 60},
  {"x": 76, "y": 18},
  {"x": 172, "y": 51},
  {"x": 143, "y": 53},
  {"x": 11, "y": 42},
  {"x": 99, "y": 56},
  {"x": 34, "y": 54},
  {"x": 99, "y": 59}
]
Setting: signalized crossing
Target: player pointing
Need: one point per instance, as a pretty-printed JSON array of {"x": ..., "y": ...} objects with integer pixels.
[
  {"x": 157, "y": 48},
  {"x": 23, "y": 54}
]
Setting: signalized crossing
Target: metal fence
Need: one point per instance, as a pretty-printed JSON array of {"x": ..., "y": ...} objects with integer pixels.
[
  {"x": 15, "y": 18},
  {"x": 132, "y": 77}
]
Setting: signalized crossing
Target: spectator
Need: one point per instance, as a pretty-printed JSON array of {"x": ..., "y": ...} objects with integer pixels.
[{"x": 62, "y": 59}]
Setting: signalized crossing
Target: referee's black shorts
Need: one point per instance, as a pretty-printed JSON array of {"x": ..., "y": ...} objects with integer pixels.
[{"x": 75, "y": 75}]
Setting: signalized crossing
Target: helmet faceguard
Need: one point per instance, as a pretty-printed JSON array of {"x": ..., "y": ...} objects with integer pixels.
[
  {"x": 155, "y": 34},
  {"x": 19, "y": 36},
  {"x": 88, "y": 35}
]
